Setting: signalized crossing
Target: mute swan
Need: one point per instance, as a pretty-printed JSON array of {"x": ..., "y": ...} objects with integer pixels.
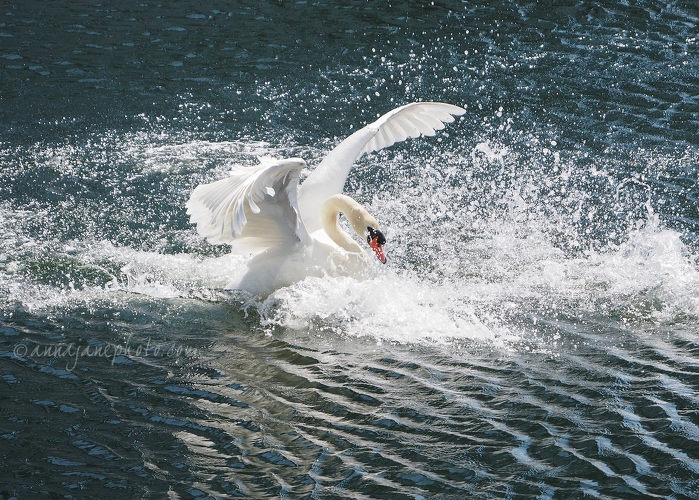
[{"x": 293, "y": 232}]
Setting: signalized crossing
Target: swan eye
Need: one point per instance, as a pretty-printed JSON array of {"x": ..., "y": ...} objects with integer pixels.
[{"x": 375, "y": 234}]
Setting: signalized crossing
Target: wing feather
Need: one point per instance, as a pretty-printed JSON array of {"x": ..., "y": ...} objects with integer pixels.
[
  {"x": 401, "y": 123},
  {"x": 253, "y": 209},
  {"x": 408, "y": 128},
  {"x": 412, "y": 120}
]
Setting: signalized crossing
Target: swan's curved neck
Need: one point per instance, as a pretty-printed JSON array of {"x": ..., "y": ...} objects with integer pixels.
[{"x": 358, "y": 217}]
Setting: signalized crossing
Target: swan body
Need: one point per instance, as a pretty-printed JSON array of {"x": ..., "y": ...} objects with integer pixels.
[{"x": 293, "y": 232}]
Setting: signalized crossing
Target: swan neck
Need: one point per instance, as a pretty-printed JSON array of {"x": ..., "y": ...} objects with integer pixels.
[{"x": 358, "y": 217}]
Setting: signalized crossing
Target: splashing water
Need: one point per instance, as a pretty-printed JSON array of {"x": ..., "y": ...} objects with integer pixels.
[{"x": 479, "y": 241}]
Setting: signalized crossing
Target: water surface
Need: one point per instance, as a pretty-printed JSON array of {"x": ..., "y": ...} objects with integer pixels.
[{"x": 533, "y": 336}]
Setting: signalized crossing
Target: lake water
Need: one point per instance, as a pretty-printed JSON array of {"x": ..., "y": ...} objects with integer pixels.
[{"x": 535, "y": 333}]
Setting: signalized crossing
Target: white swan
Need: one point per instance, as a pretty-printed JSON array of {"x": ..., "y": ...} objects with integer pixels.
[{"x": 293, "y": 231}]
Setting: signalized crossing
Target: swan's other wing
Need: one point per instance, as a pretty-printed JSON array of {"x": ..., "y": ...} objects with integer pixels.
[
  {"x": 253, "y": 209},
  {"x": 411, "y": 120}
]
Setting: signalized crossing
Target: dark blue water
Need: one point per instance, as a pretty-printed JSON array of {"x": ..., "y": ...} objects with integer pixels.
[{"x": 535, "y": 334}]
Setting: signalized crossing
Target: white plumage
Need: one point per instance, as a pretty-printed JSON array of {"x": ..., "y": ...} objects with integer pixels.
[
  {"x": 252, "y": 210},
  {"x": 292, "y": 232}
]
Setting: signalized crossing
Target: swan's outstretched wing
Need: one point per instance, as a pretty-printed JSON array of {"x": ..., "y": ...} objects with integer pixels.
[
  {"x": 253, "y": 209},
  {"x": 412, "y": 120}
]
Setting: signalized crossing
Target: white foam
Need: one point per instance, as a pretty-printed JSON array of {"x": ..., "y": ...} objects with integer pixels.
[
  {"x": 468, "y": 252},
  {"x": 389, "y": 307},
  {"x": 653, "y": 273},
  {"x": 652, "y": 277}
]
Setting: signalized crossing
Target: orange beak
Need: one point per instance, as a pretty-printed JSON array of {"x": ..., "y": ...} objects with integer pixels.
[
  {"x": 376, "y": 241},
  {"x": 378, "y": 249}
]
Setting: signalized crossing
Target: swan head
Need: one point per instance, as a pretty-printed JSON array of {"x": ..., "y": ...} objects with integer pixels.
[{"x": 376, "y": 241}]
